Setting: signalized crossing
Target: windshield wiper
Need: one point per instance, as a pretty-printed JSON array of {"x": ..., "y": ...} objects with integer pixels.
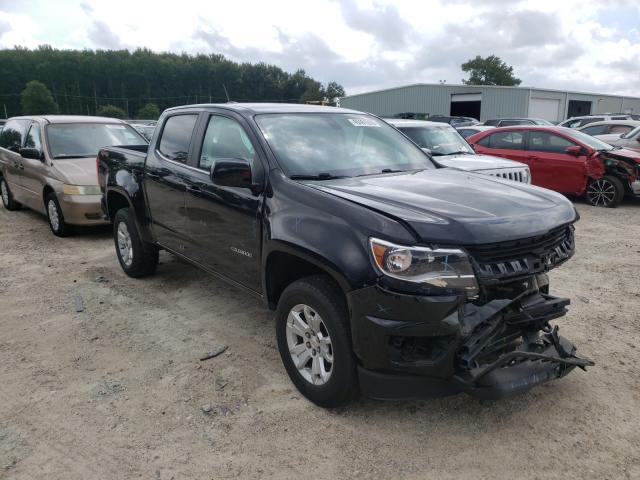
[
  {"x": 384, "y": 170},
  {"x": 319, "y": 176},
  {"x": 64, "y": 155}
]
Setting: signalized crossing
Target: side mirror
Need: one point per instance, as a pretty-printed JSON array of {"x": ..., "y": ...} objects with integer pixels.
[
  {"x": 32, "y": 153},
  {"x": 426, "y": 150},
  {"x": 574, "y": 150},
  {"x": 232, "y": 172}
]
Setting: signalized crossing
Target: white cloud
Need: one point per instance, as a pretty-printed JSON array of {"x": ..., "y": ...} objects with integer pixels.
[{"x": 363, "y": 44}]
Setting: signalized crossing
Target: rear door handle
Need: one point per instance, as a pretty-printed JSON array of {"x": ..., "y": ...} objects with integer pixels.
[
  {"x": 194, "y": 189},
  {"x": 154, "y": 176},
  {"x": 533, "y": 158}
]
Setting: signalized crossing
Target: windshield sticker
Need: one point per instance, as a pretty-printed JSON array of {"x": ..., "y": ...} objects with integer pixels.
[{"x": 363, "y": 122}]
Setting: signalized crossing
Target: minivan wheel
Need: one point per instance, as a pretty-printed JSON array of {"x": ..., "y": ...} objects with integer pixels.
[
  {"x": 312, "y": 328},
  {"x": 607, "y": 191},
  {"x": 136, "y": 258},
  {"x": 56, "y": 219},
  {"x": 7, "y": 197}
]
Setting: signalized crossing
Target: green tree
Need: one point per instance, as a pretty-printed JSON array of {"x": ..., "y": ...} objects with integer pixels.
[
  {"x": 149, "y": 112},
  {"x": 36, "y": 99},
  {"x": 111, "y": 111},
  {"x": 489, "y": 71},
  {"x": 334, "y": 91}
]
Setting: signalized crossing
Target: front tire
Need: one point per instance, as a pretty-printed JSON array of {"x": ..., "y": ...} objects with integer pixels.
[
  {"x": 136, "y": 258},
  {"x": 312, "y": 328},
  {"x": 607, "y": 192},
  {"x": 58, "y": 226},
  {"x": 7, "y": 197}
]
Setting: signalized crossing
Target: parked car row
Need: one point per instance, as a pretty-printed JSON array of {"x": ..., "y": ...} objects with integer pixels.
[{"x": 389, "y": 273}]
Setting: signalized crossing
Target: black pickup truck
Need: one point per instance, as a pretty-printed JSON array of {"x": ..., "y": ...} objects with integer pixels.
[{"x": 389, "y": 275}]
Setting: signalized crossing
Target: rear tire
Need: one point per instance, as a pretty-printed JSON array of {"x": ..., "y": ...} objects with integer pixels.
[
  {"x": 607, "y": 192},
  {"x": 137, "y": 259},
  {"x": 7, "y": 197},
  {"x": 58, "y": 226},
  {"x": 312, "y": 328}
]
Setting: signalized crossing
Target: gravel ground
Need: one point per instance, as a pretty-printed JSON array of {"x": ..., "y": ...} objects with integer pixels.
[{"x": 117, "y": 391}]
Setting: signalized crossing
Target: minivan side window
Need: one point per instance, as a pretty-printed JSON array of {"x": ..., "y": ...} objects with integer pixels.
[
  {"x": 176, "y": 137},
  {"x": 507, "y": 140},
  {"x": 13, "y": 134},
  {"x": 224, "y": 138}
]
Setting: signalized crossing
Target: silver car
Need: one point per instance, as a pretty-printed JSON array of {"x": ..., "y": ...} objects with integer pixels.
[{"x": 448, "y": 148}]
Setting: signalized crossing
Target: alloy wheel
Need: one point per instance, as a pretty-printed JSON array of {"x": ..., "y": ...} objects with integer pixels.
[
  {"x": 601, "y": 192},
  {"x": 125, "y": 245},
  {"x": 309, "y": 344}
]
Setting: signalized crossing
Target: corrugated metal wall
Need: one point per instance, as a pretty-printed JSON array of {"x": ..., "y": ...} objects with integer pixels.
[{"x": 496, "y": 101}]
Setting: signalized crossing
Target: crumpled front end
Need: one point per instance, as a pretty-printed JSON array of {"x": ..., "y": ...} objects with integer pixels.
[{"x": 496, "y": 345}]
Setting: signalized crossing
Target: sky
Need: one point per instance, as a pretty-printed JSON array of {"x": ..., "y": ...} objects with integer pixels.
[{"x": 365, "y": 45}]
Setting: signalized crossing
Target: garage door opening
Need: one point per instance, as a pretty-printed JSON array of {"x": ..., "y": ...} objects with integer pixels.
[
  {"x": 466, "y": 105},
  {"x": 578, "y": 108}
]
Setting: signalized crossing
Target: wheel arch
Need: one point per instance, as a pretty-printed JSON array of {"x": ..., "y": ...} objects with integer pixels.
[{"x": 286, "y": 264}]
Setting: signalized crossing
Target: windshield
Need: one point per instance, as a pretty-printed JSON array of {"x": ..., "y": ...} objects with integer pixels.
[
  {"x": 593, "y": 142},
  {"x": 79, "y": 140},
  {"x": 440, "y": 140},
  {"x": 338, "y": 144}
]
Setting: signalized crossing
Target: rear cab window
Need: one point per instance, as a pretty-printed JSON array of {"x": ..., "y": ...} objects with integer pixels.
[{"x": 176, "y": 137}]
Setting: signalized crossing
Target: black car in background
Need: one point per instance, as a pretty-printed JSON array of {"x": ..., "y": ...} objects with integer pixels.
[{"x": 510, "y": 122}]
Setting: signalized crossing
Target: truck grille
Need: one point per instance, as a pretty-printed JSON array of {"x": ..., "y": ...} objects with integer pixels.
[
  {"x": 516, "y": 174},
  {"x": 506, "y": 260}
]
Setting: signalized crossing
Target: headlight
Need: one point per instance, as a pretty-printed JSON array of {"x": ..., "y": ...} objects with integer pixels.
[
  {"x": 440, "y": 268},
  {"x": 81, "y": 190}
]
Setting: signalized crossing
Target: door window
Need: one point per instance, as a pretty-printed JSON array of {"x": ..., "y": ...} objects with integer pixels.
[
  {"x": 547, "y": 142},
  {"x": 224, "y": 138},
  {"x": 33, "y": 138},
  {"x": 507, "y": 140},
  {"x": 13, "y": 134},
  {"x": 176, "y": 137},
  {"x": 621, "y": 129},
  {"x": 595, "y": 130}
]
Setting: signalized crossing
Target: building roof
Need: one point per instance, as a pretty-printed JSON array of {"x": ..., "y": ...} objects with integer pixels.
[{"x": 475, "y": 87}]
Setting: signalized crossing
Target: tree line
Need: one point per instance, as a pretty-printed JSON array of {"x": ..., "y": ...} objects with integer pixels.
[{"x": 86, "y": 82}]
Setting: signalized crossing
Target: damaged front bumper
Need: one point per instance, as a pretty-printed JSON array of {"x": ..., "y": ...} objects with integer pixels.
[{"x": 412, "y": 346}]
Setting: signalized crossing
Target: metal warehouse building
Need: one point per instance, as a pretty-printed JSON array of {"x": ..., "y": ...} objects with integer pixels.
[{"x": 485, "y": 102}]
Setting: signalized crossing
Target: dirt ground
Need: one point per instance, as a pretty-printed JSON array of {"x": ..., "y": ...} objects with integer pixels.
[{"x": 117, "y": 391}]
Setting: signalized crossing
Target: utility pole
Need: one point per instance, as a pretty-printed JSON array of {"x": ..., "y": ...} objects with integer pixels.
[
  {"x": 5, "y": 110},
  {"x": 225, "y": 92}
]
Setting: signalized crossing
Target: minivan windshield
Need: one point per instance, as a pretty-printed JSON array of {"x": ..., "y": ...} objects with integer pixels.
[
  {"x": 326, "y": 145},
  {"x": 80, "y": 140},
  {"x": 440, "y": 140}
]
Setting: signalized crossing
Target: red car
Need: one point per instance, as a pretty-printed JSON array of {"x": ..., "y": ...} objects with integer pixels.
[{"x": 567, "y": 161}]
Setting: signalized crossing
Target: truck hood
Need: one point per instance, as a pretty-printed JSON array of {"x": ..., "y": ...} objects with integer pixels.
[
  {"x": 77, "y": 171},
  {"x": 476, "y": 163},
  {"x": 455, "y": 207}
]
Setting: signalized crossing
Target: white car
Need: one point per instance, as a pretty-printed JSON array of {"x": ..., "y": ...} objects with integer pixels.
[
  {"x": 577, "y": 122},
  {"x": 448, "y": 148},
  {"x": 610, "y": 130}
]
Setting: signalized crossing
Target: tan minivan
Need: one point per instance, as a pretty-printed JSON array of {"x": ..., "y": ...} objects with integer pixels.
[{"x": 48, "y": 164}]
